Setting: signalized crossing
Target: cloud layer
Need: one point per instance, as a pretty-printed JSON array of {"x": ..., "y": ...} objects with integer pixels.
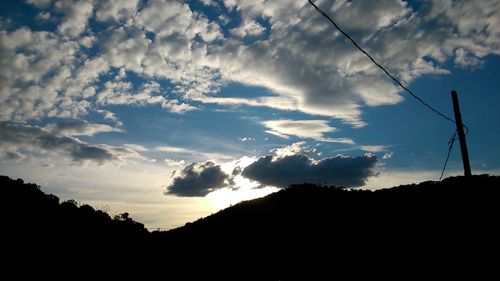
[{"x": 287, "y": 48}]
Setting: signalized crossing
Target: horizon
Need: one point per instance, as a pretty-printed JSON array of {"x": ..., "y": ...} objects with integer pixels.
[{"x": 173, "y": 110}]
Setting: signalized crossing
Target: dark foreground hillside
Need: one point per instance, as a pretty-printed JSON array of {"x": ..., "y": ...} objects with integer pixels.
[{"x": 448, "y": 228}]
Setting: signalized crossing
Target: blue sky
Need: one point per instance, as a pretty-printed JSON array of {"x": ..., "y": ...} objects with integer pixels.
[{"x": 171, "y": 110}]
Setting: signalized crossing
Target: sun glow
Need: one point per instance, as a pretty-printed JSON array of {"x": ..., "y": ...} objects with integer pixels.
[{"x": 246, "y": 190}]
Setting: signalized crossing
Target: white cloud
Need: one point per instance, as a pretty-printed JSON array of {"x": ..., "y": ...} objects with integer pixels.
[
  {"x": 373, "y": 148},
  {"x": 87, "y": 41},
  {"x": 168, "y": 18},
  {"x": 43, "y": 16},
  {"x": 117, "y": 10},
  {"x": 314, "y": 129},
  {"x": 108, "y": 115},
  {"x": 120, "y": 92},
  {"x": 174, "y": 163},
  {"x": 79, "y": 128},
  {"x": 223, "y": 19},
  {"x": 387, "y": 155},
  {"x": 209, "y": 2},
  {"x": 339, "y": 140},
  {"x": 248, "y": 28},
  {"x": 77, "y": 17},
  {"x": 189, "y": 154},
  {"x": 40, "y": 3},
  {"x": 293, "y": 149},
  {"x": 172, "y": 149},
  {"x": 464, "y": 58},
  {"x": 36, "y": 71},
  {"x": 125, "y": 47},
  {"x": 136, "y": 147}
]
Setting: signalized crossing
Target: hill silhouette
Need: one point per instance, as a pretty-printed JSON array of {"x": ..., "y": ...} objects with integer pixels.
[
  {"x": 40, "y": 232},
  {"x": 448, "y": 227}
]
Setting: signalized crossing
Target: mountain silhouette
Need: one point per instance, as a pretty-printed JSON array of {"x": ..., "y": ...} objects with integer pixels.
[{"x": 448, "y": 228}]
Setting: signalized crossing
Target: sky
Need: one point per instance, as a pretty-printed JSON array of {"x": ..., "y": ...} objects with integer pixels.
[{"x": 172, "y": 110}]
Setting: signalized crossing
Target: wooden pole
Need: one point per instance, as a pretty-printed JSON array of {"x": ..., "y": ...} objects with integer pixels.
[{"x": 461, "y": 135}]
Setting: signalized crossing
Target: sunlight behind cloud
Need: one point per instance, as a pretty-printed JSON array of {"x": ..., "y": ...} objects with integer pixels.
[{"x": 248, "y": 190}]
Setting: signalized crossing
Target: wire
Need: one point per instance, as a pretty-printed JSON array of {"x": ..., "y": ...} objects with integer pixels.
[
  {"x": 380, "y": 66},
  {"x": 450, "y": 146}
]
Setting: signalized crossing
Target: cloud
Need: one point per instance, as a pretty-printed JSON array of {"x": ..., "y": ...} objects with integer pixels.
[
  {"x": 174, "y": 163},
  {"x": 12, "y": 156},
  {"x": 387, "y": 155},
  {"x": 313, "y": 129},
  {"x": 35, "y": 67},
  {"x": 373, "y": 148},
  {"x": 117, "y": 10},
  {"x": 79, "y": 128},
  {"x": 23, "y": 139},
  {"x": 198, "y": 179},
  {"x": 248, "y": 28},
  {"x": 77, "y": 17},
  {"x": 279, "y": 135},
  {"x": 304, "y": 64},
  {"x": 80, "y": 153},
  {"x": 194, "y": 154},
  {"x": 464, "y": 59},
  {"x": 172, "y": 149},
  {"x": 293, "y": 149},
  {"x": 209, "y": 3},
  {"x": 120, "y": 92},
  {"x": 304, "y": 60},
  {"x": 108, "y": 115},
  {"x": 40, "y": 3},
  {"x": 136, "y": 147},
  {"x": 244, "y": 139},
  {"x": 43, "y": 16},
  {"x": 342, "y": 171}
]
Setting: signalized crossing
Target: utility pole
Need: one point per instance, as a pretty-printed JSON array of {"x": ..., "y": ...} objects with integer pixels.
[{"x": 461, "y": 135}]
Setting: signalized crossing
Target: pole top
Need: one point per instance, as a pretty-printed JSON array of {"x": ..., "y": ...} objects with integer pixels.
[{"x": 453, "y": 92}]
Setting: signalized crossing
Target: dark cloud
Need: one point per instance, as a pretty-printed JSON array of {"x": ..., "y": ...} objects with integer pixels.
[
  {"x": 84, "y": 152},
  {"x": 12, "y": 156},
  {"x": 16, "y": 136},
  {"x": 296, "y": 169},
  {"x": 198, "y": 180}
]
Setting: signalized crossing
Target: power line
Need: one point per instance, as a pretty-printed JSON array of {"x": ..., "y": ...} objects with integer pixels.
[
  {"x": 380, "y": 66},
  {"x": 450, "y": 146}
]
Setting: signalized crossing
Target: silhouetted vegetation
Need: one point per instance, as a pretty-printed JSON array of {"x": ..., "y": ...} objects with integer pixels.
[
  {"x": 408, "y": 231},
  {"x": 41, "y": 232}
]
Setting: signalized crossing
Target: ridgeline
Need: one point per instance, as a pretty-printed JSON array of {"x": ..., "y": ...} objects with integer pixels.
[{"x": 448, "y": 227}]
